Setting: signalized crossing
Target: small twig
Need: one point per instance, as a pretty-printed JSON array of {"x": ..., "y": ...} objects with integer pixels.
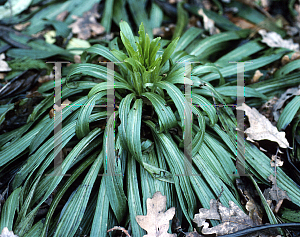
[
  {"x": 119, "y": 228},
  {"x": 222, "y": 190}
]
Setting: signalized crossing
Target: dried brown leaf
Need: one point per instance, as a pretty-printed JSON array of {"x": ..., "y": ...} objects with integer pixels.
[
  {"x": 22, "y": 26},
  {"x": 156, "y": 222},
  {"x": 275, "y": 194},
  {"x": 45, "y": 78},
  {"x": 248, "y": 193},
  {"x": 283, "y": 98},
  {"x": 2, "y": 75},
  {"x": 233, "y": 218},
  {"x": 285, "y": 60},
  {"x": 261, "y": 128},
  {"x": 295, "y": 56},
  {"x": 164, "y": 31},
  {"x": 87, "y": 26},
  {"x": 274, "y": 40},
  {"x": 256, "y": 76},
  {"x": 266, "y": 109},
  {"x": 209, "y": 24},
  {"x": 57, "y": 109},
  {"x": 276, "y": 161},
  {"x": 241, "y": 22}
]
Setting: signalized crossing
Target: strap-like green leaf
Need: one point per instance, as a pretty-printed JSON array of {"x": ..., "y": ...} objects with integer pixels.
[
  {"x": 133, "y": 131},
  {"x": 134, "y": 200},
  {"x": 127, "y": 32},
  {"x": 75, "y": 208},
  {"x": 113, "y": 172},
  {"x": 166, "y": 117},
  {"x": 82, "y": 126},
  {"x": 169, "y": 50},
  {"x": 288, "y": 113},
  {"x": 9, "y": 208},
  {"x": 93, "y": 70},
  {"x": 103, "y": 86},
  {"x": 206, "y": 106},
  {"x": 99, "y": 226}
]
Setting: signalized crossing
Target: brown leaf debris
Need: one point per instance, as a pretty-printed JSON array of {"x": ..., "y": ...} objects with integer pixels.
[
  {"x": 275, "y": 194},
  {"x": 87, "y": 26}
]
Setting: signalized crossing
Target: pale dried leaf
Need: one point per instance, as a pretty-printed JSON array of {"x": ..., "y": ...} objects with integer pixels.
[
  {"x": 285, "y": 60},
  {"x": 274, "y": 40},
  {"x": 22, "y": 26},
  {"x": 256, "y": 76},
  {"x": 2, "y": 75},
  {"x": 64, "y": 104},
  {"x": 193, "y": 234},
  {"x": 276, "y": 161},
  {"x": 87, "y": 26},
  {"x": 6, "y": 233},
  {"x": 209, "y": 24},
  {"x": 45, "y": 78},
  {"x": 57, "y": 109},
  {"x": 295, "y": 56},
  {"x": 283, "y": 98},
  {"x": 119, "y": 228},
  {"x": 156, "y": 222},
  {"x": 241, "y": 22},
  {"x": 255, "y": 212},
  {"x": 233, "y": 218},
  {"x": 3, "y": 64},
  {"x": 275, "y": 194},
  {"x": 248, "y": 193},
  {"x": 261, "y": 128},
  {"x": 164, "y": 31}
]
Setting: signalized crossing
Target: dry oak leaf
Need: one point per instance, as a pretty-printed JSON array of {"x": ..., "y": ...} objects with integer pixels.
[
  {"x": 261, "y": 128},
  {"x": 87, "y": 25},
  {"x": 156, "y": 222},
  {"x": 233, "y": 218}
]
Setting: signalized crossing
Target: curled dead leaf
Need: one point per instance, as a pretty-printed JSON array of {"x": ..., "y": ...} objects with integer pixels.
[
  {"x": 3, "y": 64},
  {"x": 275, "y": 194},
  {"x": 57, "y": 109},
  {"x": 274, "y": 40},
  {"x": 22, "y": 26},
  {"x": 256, "y": 76},
  {"x": 209, "y": 24},
  {"x": 87, "y": 26},
  {"x": 285, "y": 60},
  {"x": 261, "y": 128},
  {"x": 283, "y": 98},
  {"x": 233, "y": 218},
  {"x": 276, "y": 161}
]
